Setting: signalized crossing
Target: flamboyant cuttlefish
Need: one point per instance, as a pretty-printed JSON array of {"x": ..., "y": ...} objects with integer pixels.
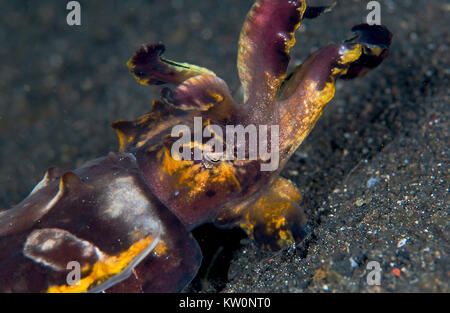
[{"x": 124, "y": 220}]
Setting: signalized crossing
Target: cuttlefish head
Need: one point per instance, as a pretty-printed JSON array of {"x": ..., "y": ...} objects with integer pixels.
[{"x": 278, "y": 110}]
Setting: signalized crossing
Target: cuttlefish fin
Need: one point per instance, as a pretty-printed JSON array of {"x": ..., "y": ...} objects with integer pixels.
[{"x": 43, "y": 198}]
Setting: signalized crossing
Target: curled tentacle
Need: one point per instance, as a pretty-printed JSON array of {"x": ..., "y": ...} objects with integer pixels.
[
  {"x": 307, "y": 90},
  {"x": 149, "y": 68},
  {"x": 351, "y": 59}
]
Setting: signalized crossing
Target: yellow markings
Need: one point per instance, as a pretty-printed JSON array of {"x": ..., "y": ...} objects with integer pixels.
[
  {"x": 141, "y": 143},
  {"x": 321, "y": 97},
  {"x": 161, "y": 248},
  {"x": 248, "y": 228},
  {"x": 207, "y": 122},
  {"x": 143, "y": 119},
  {"x": 291, "y": 43},
  {"x": 280, "y": 222},
  {"x": 145, "y": 82},
  {"x": 187, "y": 173},
  {"x": 157, "y": 127},
  {"x": 122, "y": 139},
  {"x": 314, "y": 101},
  {"x": 272, "y": 211},
  {"x": 196, "y": 176},
  {"x": 217, "y": 97},
  {"x": 141, "y": 81},
  {"x": 225, "y": 172},
  {"x": 339, "y": 71},
  {"x": 286, "y": 238},
  {"x": 351, "y": 55},
  {"x": 106, "y": 267},
  {"x": 286, "y": 190},
  {"x": 272, "y": 83},
  {"x": 269, "y": 211},
  {"x": 330, "y": 8},
  {"x": 190, "y": 69},
  {"x": 170, "y": 165},
  {"x": 206, "y": 91},
  {"x": 130, "y": 64},
  {"x": 377, "y": 50}
]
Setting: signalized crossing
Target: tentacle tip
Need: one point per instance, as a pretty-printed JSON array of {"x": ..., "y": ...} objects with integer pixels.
[
  {"x": 138, "y": 64},
  {"x": 313, "y": 12},
  {"x": 145, "y": 54},
  {"x": 373, "y": 34}
]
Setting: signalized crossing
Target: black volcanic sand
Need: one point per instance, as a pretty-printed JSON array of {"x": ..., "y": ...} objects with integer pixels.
[{"x": 373, "y": 173}]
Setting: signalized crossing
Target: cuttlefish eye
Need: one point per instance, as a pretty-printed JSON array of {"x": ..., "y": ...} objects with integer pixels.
[{"x": 212, "y": 158}]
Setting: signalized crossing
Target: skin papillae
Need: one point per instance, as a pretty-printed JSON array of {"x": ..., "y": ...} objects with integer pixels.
[{"x": 126, "y": 218}]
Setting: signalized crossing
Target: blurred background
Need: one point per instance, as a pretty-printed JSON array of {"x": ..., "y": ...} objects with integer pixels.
[{"x": 373, "y": 173}]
